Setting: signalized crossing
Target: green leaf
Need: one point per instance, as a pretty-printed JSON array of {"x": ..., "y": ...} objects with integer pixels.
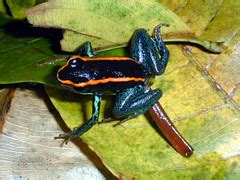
[
  {"x": 226, "y": 26},
  {"x": 95, "y": 18},
  {"x": 14, "y": 10},
  {"x": 90, "y": 20},
  {"x": 26, "y": 59},
  {"x": 2, "y": 7},
  {"x": 4, "y": 18},
  {"x": 17, "y": 7},
  {"x": 197, "y": 14}
]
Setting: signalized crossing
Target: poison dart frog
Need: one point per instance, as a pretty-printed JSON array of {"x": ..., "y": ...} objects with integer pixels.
[{"x": 126, "y": 77}]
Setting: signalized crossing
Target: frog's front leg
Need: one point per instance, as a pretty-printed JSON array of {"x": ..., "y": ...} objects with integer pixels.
[
  {"x": 85, "y": 50},
  {"x": 135, "y": 101},
  {"x": 88, "y": 124},
  {"x": 150, "y": 51}
]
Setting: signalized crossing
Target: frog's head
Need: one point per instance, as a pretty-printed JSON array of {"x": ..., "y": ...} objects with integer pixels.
[{"x": 73, "y": 73}]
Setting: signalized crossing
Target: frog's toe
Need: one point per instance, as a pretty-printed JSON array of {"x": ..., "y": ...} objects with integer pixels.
[
  {"x": 68, "y": 136},
  {"x": 106, "y": 120},
  {"x": 61, "y": 136},
  {"x": 121, "y": 121},
  {"x": 65, "y": 136},
  {"x": 157, "y": 30}
]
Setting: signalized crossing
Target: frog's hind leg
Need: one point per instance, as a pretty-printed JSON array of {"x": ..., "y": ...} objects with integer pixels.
[
  {"x": 150, "y": 51},
  {"x": 85, "y": 50},
  {"x": 134, "y": 101},
  {"x": 162, "y": 49}
]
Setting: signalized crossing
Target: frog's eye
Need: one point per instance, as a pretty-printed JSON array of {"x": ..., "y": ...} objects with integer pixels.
[{"x": 73, "y": 63}]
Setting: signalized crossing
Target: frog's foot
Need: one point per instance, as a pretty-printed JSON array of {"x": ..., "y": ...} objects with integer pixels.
[
  {"x": 69, "y": 136},
  {"x": 107, "y": 120},
  {"x": 121, "y": 122},
  {"x": 157, "y": 32},
  {"x": 110, "y": 119}
]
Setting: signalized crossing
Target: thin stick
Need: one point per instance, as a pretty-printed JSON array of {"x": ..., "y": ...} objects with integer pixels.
[{"x": 169, "y": 130}]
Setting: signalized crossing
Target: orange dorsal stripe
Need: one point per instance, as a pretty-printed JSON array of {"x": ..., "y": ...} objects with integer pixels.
[{"x": 100, "y": 81}]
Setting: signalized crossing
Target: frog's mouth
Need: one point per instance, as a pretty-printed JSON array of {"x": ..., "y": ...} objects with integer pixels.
[
  {"x": 68, "y": 87},
  {"x": 60, "y": 72}
]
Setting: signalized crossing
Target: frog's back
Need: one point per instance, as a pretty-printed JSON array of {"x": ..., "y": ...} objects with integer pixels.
[{"x": 89, "y": 75}]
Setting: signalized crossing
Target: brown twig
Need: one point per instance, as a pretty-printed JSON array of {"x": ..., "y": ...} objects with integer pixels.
[{"x": 169, "y": 130}]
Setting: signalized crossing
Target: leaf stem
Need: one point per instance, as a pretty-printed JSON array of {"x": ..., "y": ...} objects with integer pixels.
[{"x": 215, "y": 47}]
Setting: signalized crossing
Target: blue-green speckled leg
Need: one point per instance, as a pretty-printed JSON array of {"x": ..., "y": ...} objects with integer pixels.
[
  {"x": 134, "y": 101},
  {"x": 150, "y": 51},
  {"x": 85, "y": 50},
  {"x": 88, "y": 124}
]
